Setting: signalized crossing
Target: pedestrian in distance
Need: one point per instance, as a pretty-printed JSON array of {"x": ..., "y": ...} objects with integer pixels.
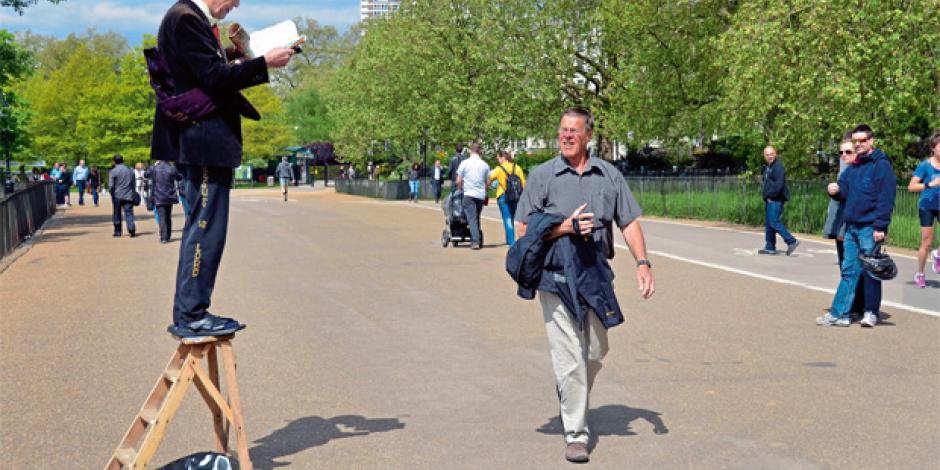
[
  {"x": 775, "y": 194},
  {"x": 926, "y": 181},
  {"x": 163, "y": 177},
  {"x": 80, "y": 177},
  {"x": 414, "y": 183},
  {"x": 868, "y": 188},
  {"x": 834, "y": 227},
  {"x": 455, "y": 162},
  {"x": 94, "y": 183},
  {"x": 59, "y": 183},
  {"x": 66, "y": 177},
  {"x": 510, "y": 183},
  {"x": 437, "y": 180},
  {"x": 573, "y": 202},
  {"x": 472, "y": 176},
  {"x": 121, "y": 180},
  {"x": 285, "y": 174},
  {"x": 206, "y": 154}
]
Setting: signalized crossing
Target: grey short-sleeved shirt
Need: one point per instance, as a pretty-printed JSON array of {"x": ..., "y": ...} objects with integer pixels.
[{"x": 554, "y": 187}]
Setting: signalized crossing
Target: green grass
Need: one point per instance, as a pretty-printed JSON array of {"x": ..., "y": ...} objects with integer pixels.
[{"x": 739, "y": 202}]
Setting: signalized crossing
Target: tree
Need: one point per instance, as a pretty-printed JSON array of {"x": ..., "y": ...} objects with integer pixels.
[
  {"x": 268, "y": 137},
  {"x": 15, "y": 64},
  {"x": 307, "y": 114},
  {"x": 799, "y": 73},
  {"x": 20, "y": 5}
]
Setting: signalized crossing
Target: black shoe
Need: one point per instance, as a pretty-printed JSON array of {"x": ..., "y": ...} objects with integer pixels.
[
  {"x": 116, "y": 235},
  {"x": 765, "y": 251},
  {"x": 210, "y": 325},
  {"x": 791, "y": 247},
  {"x": 131, "y": 234}
]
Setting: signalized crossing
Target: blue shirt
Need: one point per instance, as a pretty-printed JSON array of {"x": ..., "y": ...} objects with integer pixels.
[
  {"x": 929, "y": 197},
  {"x": 80, "y": 173}
]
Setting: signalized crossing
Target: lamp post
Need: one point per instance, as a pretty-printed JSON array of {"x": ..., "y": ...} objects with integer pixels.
[{"x": 5, "y": 141}]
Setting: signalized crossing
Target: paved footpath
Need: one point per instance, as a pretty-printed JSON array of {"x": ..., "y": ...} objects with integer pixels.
[{"x": 369, "y": 346}]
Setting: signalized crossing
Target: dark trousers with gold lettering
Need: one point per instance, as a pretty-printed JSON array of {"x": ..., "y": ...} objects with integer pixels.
[{"x": 207, "y": 190}]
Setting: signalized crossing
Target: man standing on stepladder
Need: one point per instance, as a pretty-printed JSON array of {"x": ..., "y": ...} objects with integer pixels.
[
  {"x": 587, "y": 196},
  {"x": 206, "y": 149}
]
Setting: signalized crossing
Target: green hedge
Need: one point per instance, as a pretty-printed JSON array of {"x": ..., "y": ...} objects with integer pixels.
[{"x": 738, "y": 201}]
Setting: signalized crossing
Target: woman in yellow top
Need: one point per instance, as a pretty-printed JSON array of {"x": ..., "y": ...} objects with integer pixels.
[{"x": 506, "y": 196}]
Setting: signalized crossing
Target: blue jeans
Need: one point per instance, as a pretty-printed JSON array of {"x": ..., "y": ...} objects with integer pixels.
[
  {"x": 413, "y": 185},
  {"x": 508, "y": 211},
  {"x": 773, "y": 211},
  {"x": 858, "y": 239},
  {"x": 81, "y": 192}
]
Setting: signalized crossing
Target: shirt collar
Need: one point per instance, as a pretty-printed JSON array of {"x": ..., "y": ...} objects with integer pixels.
[
  {"x": 474, "y": 155},
  {"x": 205, "y": 11},
  {"x": 561, "y": 164}
]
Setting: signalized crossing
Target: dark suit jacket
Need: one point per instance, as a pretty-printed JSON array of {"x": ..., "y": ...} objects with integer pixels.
[{"x": 196, "y": 60}]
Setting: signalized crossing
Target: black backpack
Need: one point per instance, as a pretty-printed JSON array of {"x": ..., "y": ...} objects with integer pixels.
[{"x": 513, "y": 191}]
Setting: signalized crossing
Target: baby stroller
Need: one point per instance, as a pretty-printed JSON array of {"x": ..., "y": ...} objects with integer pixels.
[{"x": 458, "y": 230}]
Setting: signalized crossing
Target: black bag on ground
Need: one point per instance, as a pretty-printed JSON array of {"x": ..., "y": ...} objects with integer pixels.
[{"x": 200, "y": 461}]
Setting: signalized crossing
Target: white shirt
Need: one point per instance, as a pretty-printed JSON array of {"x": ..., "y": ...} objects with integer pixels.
[
  {"x": 205, "y": 11},
  {"x": 437, "y": 173},
  {"x": 474, "y": 172}
]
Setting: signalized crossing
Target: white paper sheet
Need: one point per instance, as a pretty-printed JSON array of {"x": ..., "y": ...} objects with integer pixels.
[{"x": 283, "y": 34}]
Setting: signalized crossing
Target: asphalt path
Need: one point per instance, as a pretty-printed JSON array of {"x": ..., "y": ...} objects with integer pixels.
[{"x": 371, "y": 346}]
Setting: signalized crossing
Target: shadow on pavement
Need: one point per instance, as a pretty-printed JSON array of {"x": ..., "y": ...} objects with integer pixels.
[
  {"x": 611, "y": 420},
  {"x": 312, "y": 431}
]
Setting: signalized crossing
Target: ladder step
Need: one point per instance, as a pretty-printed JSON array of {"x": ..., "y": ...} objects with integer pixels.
[
  {"x": 149, "y": 415},
  {"x": 172, "y": 375},
  {"x": 126, "y": 455}
]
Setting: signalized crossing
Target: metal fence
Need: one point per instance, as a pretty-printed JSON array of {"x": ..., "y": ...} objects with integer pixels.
[
  {"x": 738, "y": 200},
  {"x": 23, "y": 212},
  {"x": 383, "y": 189}
]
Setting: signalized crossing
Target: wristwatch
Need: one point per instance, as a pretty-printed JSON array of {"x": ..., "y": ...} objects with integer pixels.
[{"x": 642, "y": 262}]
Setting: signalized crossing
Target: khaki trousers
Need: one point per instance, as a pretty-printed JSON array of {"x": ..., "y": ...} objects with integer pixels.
[{"x": 576, "y": 359}]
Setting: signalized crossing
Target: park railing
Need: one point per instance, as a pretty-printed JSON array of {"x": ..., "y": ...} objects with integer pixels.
[
  {"x": 23, "y": 212},
  {"x": 738, "y": 200},
  {"x": 382, "y": 189}
]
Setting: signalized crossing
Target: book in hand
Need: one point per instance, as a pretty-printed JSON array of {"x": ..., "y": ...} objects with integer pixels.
[{"x": 283, "y": 34}]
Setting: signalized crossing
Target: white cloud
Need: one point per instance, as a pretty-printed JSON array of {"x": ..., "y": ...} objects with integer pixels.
[{"x": 134, "y": 18}]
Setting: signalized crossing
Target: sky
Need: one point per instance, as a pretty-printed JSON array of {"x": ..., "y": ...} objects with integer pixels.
[{"x": 134, "y": 18}]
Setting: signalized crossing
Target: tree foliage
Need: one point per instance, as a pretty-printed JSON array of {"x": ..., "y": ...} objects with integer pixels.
[
  {"x": 20, "y": 6},
  {"x": 689, "y": 74}
]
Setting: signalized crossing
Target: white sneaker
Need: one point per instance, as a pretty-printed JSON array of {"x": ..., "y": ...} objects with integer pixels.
[{"x": 869, "y": 320}]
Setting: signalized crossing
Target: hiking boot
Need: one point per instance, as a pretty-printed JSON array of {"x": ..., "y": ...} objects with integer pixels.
[
  {"x": 936, "y": 261},
  {"x": 766, "y": 251},
  {"x": 791, "y": 247},
  {"x": 577, "y": 452},
  {"x": 920, "y": 280},
  {"x": 869, "y": 320},
  {"x": 829, "y": 320}
]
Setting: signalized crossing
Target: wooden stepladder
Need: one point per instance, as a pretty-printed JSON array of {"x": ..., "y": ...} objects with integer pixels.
[{"x": 185, "y": 368}]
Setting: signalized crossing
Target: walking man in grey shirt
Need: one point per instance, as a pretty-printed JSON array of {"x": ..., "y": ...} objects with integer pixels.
[
  {"x": 593, "y": 196},
  {"x": 285, "y": 174}
]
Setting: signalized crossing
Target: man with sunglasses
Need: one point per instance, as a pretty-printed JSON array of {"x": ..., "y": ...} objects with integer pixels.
[{"x": 868, "y": 188}]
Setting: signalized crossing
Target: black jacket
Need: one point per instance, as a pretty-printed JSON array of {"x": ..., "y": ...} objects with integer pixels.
[
  {"x": 775, "y": 182},
  {"x": 163, "y": 178},
  {"x": 196, "y": 60},
  {"x": 585, "y": 281}
]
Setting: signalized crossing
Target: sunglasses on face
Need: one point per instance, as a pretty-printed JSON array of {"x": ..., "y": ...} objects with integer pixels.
[{"x": 846, "y": 152}]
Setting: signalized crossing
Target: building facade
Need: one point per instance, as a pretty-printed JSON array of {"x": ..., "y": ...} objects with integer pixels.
[{"x": 377, "y": 8}]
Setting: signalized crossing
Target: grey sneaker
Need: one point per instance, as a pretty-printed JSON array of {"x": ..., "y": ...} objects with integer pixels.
[
  {"x": 829, "y": 320},
  {"x": 869, "y": 320},
  {"x": 766, "y": 251},
  {"x": 791, "y": 247}
]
